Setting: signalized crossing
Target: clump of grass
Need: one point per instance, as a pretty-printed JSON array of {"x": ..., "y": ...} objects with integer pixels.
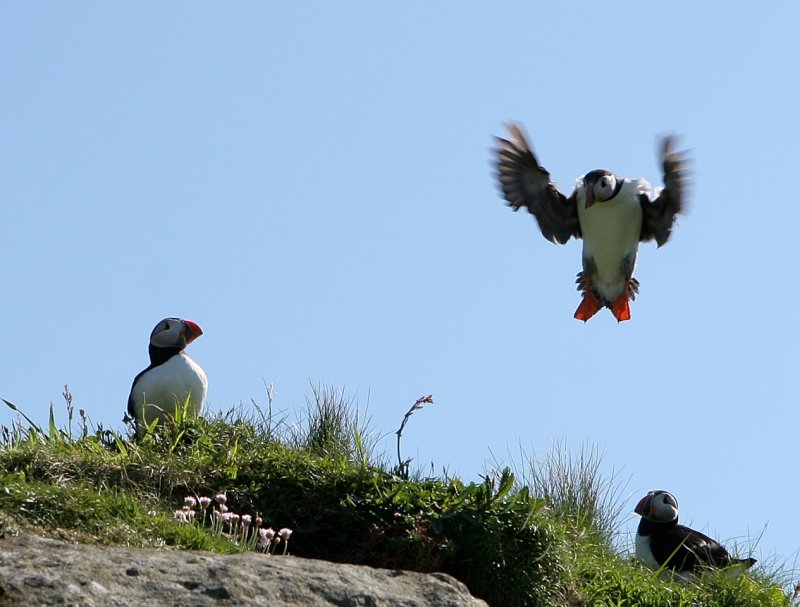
[
  {"x": 575, "y": 490},
  {"x": 334, "y": 427}
]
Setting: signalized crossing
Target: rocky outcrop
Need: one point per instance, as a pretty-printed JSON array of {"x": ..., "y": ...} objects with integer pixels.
[{"x": 37, "y": 571}]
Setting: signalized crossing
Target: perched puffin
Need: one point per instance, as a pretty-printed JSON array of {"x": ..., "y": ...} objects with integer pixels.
[
  {"x": 662, "y": 543},
  {"x": 171, "y": 377},
  {"x": 612, "y": 214}
]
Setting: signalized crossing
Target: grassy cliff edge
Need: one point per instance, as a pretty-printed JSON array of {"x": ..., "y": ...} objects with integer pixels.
[{"x": 545, "y": 541}]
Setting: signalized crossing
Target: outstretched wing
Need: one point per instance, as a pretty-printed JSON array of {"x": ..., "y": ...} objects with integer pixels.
[
  {"x": 526, "y": 184},
  {"x": 659, "y": 214}
]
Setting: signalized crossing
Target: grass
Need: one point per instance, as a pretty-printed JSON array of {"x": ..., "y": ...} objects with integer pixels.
[
  {"x": 575, "y": 490},
  {"x": 541, "y": 536}
]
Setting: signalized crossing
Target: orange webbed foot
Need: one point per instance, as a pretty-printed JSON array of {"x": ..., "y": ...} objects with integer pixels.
[
  {"x": 621, "y": 309},
  {"x": 590, "y": 305}
]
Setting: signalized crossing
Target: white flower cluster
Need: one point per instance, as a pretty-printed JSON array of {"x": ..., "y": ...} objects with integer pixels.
[{"x": 241, "y": 529}]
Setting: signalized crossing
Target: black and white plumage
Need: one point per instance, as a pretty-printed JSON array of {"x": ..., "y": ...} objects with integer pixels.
[
  {"x": 662, "y": 543},
  {"x": 610, "y": 213},
  {"x": 171, "y": 378}
]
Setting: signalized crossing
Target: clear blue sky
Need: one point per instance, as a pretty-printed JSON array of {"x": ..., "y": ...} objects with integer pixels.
[{"x": 310, "y": 182}]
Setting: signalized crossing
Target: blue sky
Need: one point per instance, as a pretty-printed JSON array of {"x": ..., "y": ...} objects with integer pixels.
[{"x": 311, "y": 183}]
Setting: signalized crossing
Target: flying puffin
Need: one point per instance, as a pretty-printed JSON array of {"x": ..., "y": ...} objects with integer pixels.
[
  {"x": 171, "y": 377},
  {"x": 611, "y": 213},
  {"x": 662, "y": 543}
]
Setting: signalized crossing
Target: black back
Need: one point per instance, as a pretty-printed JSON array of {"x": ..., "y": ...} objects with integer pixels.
[{"x": 683, "y": 549}]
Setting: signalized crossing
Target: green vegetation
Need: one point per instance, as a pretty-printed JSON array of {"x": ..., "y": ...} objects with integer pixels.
[{"x": 539, "y": 537}]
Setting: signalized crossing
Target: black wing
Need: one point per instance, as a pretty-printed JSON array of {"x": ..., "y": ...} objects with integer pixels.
[
  {"x": 526, "y": 184},
  {"x": 659, "y": 214},
  {"x": 690, "y": 550},
  {"x": 131, "y": 403}
]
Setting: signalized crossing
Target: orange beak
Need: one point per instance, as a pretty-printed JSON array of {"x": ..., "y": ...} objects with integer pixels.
[
  {"x": 643, "y": 505},
  {"x": 193, "y": 331}
]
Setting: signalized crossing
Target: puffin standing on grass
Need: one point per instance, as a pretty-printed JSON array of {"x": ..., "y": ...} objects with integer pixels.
[
  {"x": 172, "y": 377},
  {"x": 612, "y": 214},
  {"x": 662, "y": 543}
]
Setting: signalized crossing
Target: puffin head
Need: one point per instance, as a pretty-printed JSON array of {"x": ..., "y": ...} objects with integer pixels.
[
  {"x": 658, "y": 506},
  {"x": 174, "y": 333},
  {"x": 600, "y": 185}
]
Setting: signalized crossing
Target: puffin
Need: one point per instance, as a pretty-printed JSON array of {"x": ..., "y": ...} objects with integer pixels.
[
  {"x": 663, "y": 544},
  {"x": 172, "y": 377},
  {"x": 612, "y": 215}
]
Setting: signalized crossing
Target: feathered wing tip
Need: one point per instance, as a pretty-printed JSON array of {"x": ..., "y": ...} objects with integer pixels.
[
  {"x": 671, "y": 199},
  {"x": 515, "y": 158},
  {"x": 525, "y": 183},
  {"x": 676, "y": 166},
  {"x": 518, "y": 136}
]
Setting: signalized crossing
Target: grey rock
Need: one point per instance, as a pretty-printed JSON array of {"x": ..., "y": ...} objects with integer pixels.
[{"x": 40, "y": 572}]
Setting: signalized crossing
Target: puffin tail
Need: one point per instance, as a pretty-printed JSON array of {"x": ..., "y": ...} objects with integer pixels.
[{"x": 737, "y": 567}]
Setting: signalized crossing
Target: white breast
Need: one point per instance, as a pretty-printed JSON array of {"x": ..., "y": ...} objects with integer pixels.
[
  {"x": 644, "y": 553},
  {"x": 162, "y": 389},
  {"x": 611, "y": 233}
]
